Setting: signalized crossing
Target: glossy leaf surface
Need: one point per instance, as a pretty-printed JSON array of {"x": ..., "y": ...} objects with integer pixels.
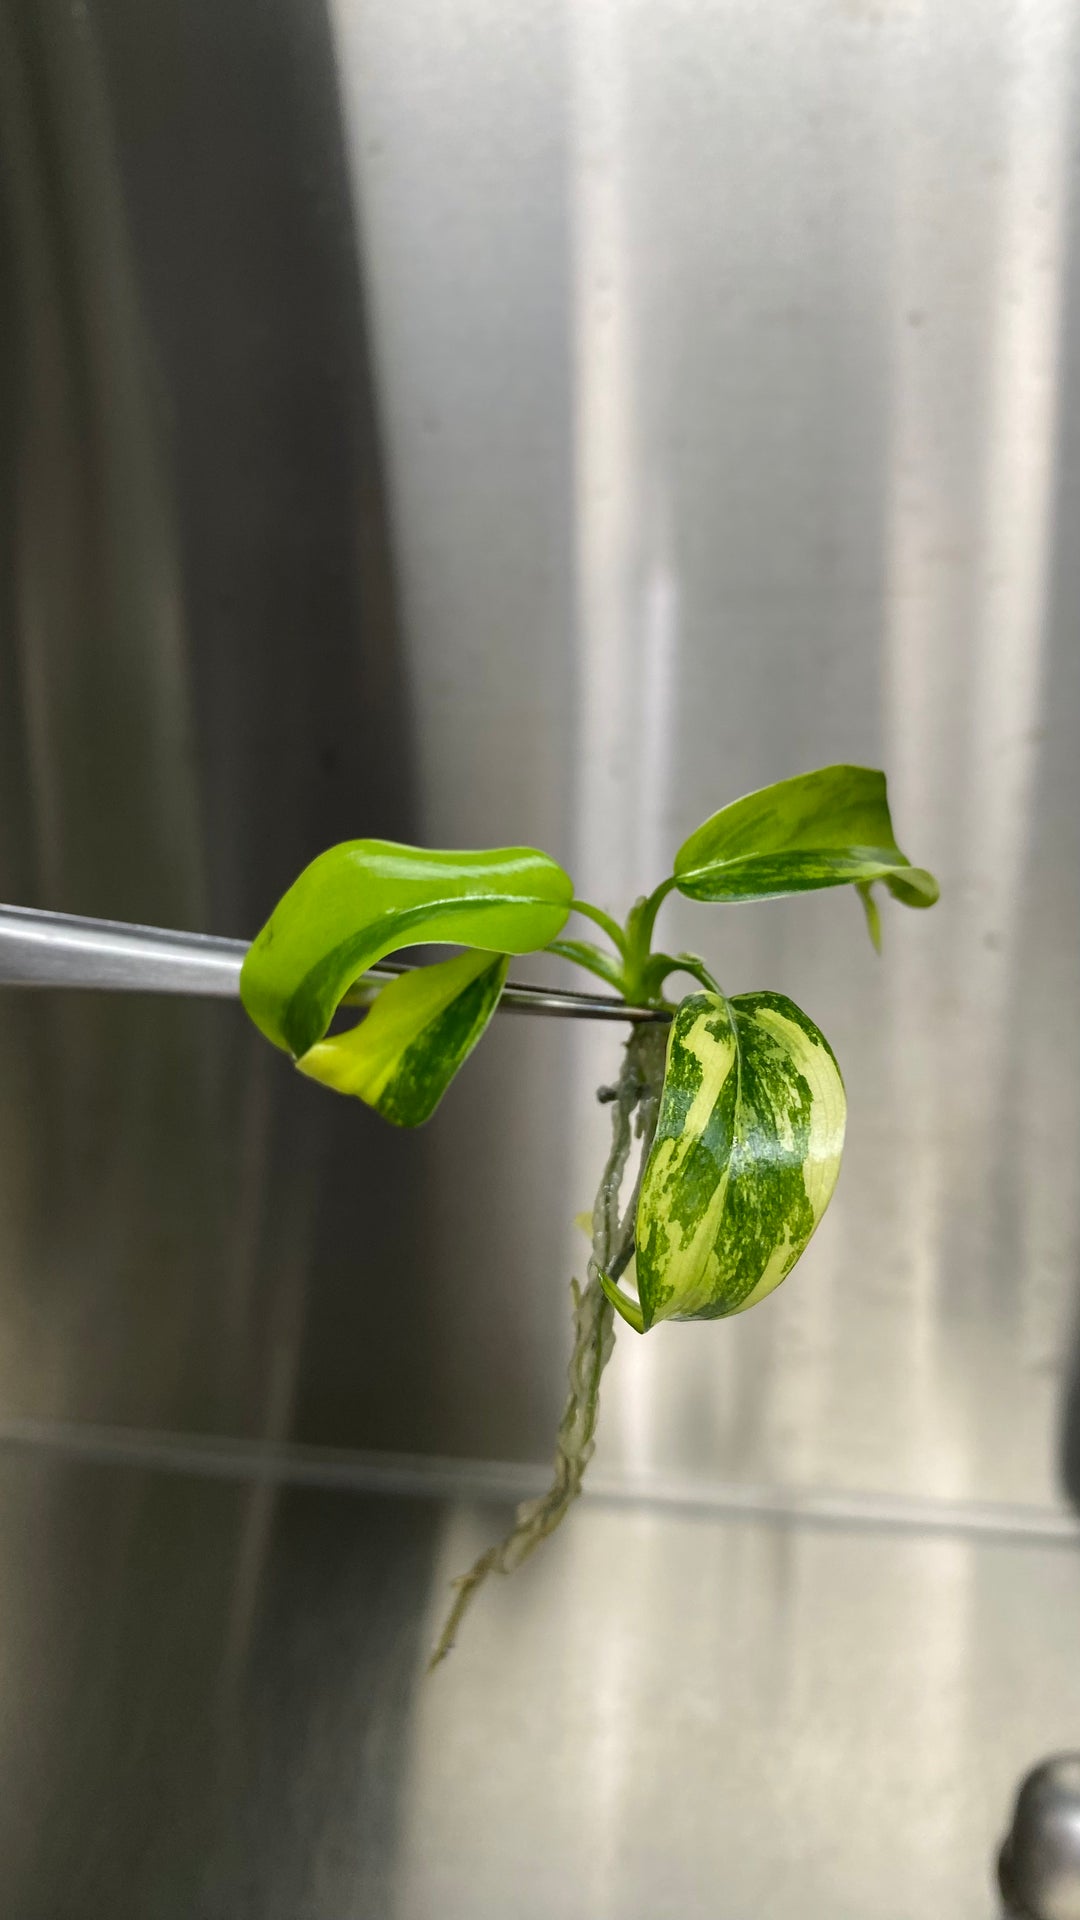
[
  {"x": 402, "y": 1057},
  {"x": 745, "y": 1159},
  {"x": 367, "y": 898},
  {"x": 824, "y": 829}
]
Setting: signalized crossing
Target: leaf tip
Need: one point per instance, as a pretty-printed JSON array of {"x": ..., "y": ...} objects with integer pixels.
[
  {"x": 865, "y": 891},
  {"x": 630, "y": 1310}
]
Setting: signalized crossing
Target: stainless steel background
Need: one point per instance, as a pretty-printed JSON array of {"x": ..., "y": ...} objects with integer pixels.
[
  {"x": 483, "y": 423},
  {"x": 204, "y": 1732}
]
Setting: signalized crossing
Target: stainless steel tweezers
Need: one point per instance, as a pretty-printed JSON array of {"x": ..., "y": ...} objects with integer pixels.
[{"x": 39, "y": 949}]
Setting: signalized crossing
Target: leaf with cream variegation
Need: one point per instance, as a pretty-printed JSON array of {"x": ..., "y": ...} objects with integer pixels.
[
  {"x": 727, "y": 1115},
  {"x": 421, "y": 1029},
  {"x": 830, "y": 828},
  {"x": 745, "y": 1158}
]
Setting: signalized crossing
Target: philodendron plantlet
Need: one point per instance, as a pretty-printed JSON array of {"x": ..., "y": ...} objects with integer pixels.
[{"x": 737, "y": 1104}]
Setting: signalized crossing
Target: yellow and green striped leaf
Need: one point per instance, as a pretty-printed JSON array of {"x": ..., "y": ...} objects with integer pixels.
[
  {"x": 421, "y": 1029},
  {"x": 745, "y": 1159},
  {"x": 367, "y": 898},
  {"x": 830, "y": 828}
]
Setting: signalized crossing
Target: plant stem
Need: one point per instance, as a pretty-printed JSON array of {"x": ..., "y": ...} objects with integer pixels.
[
  {"x": 638, "y": 938},
  {"x": 663, "y": 964},
  {"x": 584, "y": 954},
  {"x": 636, "y": 1092},
  {"x": 601, "y": 919}
]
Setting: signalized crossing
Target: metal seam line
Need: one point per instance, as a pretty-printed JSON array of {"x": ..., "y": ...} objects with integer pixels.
[{"x": 424, "y": 1477}]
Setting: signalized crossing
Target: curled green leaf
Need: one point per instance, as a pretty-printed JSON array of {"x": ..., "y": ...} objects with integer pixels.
[
  {"x": 865, "y": 891},
  {"x": 829, "y": 828},
  {"x": 745, "y": 1159},
  {"x": 367, "y": 898},
  {"x": 624, "y": 1303},
  {"x": 421, "y": 1029}
]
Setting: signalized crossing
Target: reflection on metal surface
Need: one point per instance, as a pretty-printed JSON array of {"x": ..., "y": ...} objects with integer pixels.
[
  {"x": 194, "y": 580},
  {"x": 819, "y": 315},
  {"x": 969, "y": 626},
  {"x": 724, "y": 360},
  {"x": 213, "y": 1457},
  {"x": 1039, "y": 1868},
  {"x": 669, "y": 1715},
  {"x": 715, "y": 423},
  {"x": 39, "y": 949}
]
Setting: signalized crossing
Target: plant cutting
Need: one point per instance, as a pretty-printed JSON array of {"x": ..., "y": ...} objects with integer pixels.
[{"x": 727, "y": 1112}]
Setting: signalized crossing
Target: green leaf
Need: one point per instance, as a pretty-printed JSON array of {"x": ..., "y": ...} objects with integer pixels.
[
  {"x": 402, "y": 1057},
  {"x": 367, "y": 898},
  {"x": 660, "y": 965},
  {"x": 823, "y": 829},
  {"x": 625, "y": 1305},
  {"x": 745, "y": 1158},
  {"x": 865, "y": 891}
]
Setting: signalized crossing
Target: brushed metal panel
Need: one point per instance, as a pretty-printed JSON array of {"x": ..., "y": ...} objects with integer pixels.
[
  {"x": 202, "y": 686},
  {"x": 724, "y": 361},
  {"x": 212, "y": 1702},
  {"x": 816, "y": 276}
]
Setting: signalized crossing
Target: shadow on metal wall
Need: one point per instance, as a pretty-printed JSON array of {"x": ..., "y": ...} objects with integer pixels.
[{"x": 203, "y": 685}]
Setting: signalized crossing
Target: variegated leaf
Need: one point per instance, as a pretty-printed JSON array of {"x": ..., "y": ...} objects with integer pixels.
[
  {"x": 828, "y": 828},
  {"x": 402, "y": 1057},
  {"x": 745, "y": 1158}
]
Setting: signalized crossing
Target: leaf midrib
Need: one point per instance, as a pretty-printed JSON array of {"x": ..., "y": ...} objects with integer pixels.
[{"x": 331, "y": 963}]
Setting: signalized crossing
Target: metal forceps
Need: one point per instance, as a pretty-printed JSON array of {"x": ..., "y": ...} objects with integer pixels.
[{"x": 41, "y": 949}]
